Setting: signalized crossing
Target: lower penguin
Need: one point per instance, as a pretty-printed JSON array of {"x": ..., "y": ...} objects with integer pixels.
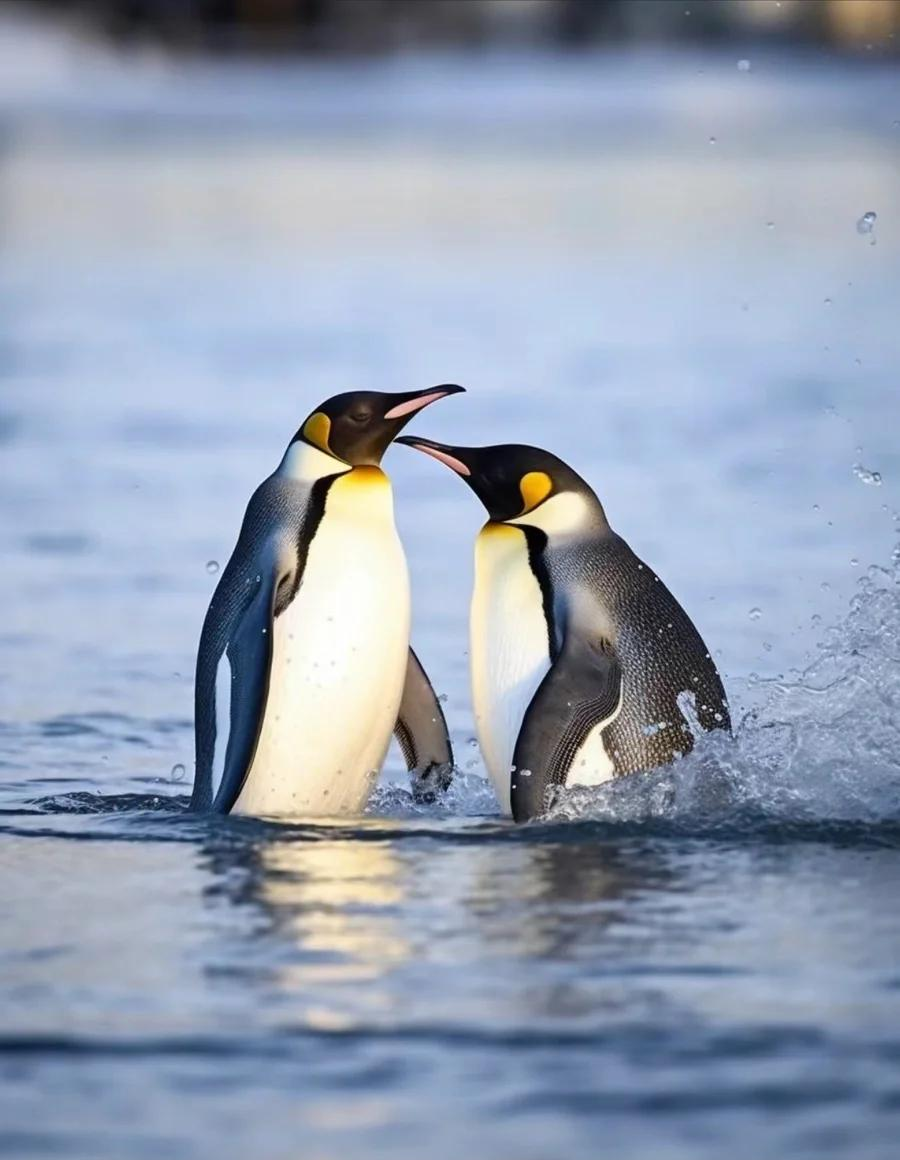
[
  {"x": 583, "y": 663},
  {"x": 304, "y": 668}
]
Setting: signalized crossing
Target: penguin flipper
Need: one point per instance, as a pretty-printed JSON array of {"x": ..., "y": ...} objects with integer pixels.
[
  {"x": 205, "y": 713},
  {"x": 581, "y": 690},
  {"x": 422, "y": 733},
  {"x": 249, "y": 653}
]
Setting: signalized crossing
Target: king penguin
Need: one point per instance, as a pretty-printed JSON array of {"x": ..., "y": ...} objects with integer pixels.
[
  {"x": 582, "y": 661},
  {"x": 304, "y": 667}
]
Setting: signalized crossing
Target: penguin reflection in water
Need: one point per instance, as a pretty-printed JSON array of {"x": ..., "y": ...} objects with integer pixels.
[
  {"x": 304, "y": 668},
  {"x": 581, "y": 658}
]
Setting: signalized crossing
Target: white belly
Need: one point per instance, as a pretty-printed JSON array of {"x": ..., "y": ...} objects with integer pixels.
[
  {"x": 510, "y": 657},
  {"x": 508, "y": 647},
  {"x": 339, "y": 662}
]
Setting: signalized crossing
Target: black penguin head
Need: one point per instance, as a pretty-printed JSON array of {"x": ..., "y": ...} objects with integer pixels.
[
  {"x": 517, "y": 483},
  {"x": 358, "y": 426}
]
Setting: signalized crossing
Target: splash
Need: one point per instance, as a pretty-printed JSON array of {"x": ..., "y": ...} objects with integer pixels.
[
  {"x": 469, "y": 795},
  {"x": 822, "y": 747},
  {"x": 818, "y": 754}
]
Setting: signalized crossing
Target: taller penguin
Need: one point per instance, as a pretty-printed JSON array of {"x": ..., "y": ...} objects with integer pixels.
[
  {"x": 582, "y": 660},
  {"x": 304, "y": 667}
]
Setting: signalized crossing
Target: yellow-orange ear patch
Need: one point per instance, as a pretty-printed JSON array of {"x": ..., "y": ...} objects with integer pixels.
[
  {"x": 316, "y": 430},
  {"x": 535, "y": 487}
]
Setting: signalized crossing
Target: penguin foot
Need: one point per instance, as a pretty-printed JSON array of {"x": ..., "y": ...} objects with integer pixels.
[{"x": 428, "y": 784}]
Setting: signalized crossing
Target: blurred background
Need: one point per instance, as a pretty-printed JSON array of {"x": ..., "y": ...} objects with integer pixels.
[{"x": 285, "y": 26}]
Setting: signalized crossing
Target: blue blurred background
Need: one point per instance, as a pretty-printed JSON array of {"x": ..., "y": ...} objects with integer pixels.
[{"x": 660, "y": 238}]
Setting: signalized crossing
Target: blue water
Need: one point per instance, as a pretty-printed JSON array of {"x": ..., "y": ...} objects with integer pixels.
[{"x": 703, "y": 961}]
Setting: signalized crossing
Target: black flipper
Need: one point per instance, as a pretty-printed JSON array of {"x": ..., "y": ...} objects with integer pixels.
[
  {"x": 250, "y": 654},
  {"x": 421, "y": 731},
  {"x": 582, "y": 689},
  {"x": 205, "y": 712}
]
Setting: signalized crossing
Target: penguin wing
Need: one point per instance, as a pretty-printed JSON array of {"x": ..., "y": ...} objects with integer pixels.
[
  {"x": 266, "y": 567},
  {"x": 581, "y": 690},
  {"x": 421, "y": 731},
  {"x": 225, "y": 609},
  {"x": 249, "y": 653},
  {"x": 238, "y": 629}
]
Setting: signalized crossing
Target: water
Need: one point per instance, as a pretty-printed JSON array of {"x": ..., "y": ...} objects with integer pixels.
[{"x": 190, "y": 259}]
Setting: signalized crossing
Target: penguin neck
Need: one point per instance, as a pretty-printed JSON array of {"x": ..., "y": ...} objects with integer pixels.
[
  {"x": 566, "y": 514},
  {"x": 305, "y": 464}
]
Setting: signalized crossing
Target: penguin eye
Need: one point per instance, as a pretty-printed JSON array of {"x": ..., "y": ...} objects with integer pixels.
[{"x": 360, "y": 416}]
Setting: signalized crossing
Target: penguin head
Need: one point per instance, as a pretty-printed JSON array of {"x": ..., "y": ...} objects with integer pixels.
[
  {"x": 520, "y": 485},
  {"x": 357, "y": 427}
]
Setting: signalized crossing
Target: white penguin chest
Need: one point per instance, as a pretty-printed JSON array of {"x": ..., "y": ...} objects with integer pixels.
[
  {"x": 339, "y": 661},
  {"x": 509, "y": 647}
]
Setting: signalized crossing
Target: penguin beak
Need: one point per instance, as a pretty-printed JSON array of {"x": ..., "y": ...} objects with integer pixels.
[
  {"x": 404, "y": 406},
  {"x": 483, "y": 470},
  {"x": 442, "y": 452},
  {"x": 400, "y": 408}
]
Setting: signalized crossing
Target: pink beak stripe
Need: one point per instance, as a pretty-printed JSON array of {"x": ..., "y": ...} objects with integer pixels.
[
  {"x": 457, "y": 465},
  {"x": 411, "y": 405}
]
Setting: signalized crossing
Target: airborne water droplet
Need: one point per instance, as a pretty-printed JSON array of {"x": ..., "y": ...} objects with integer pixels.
[
  {"x": 864, "y": 475},
  {"x": 743, "y": 66},
  {"x": 443, "y": 698},
  {"x": 178, "y": 771},
  {"x": 755, "y": 613},
  {"x": 866, "y": 223},
  {"x": 712, "y": 141},
  {"x": 212, "y": 567}
]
